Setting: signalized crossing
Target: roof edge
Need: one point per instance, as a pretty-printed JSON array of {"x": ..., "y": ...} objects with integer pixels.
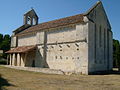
[
  {"x": 94, "y": 6},
  {"x": 16, "y": 50},
  {"x": 56, "y": 20}
]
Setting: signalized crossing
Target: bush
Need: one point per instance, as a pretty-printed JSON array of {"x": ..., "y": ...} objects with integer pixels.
[{"x": 3, "y": 62}]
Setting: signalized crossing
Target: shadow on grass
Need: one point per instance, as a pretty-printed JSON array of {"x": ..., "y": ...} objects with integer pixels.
[
  {"x": 4, "y": 82},
  {"x": 114, "y": 72}
]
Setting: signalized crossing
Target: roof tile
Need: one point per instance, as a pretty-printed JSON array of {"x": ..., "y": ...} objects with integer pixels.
[
  {"x": 54, "y": 24},
  {"x": 22, "y": 49}
]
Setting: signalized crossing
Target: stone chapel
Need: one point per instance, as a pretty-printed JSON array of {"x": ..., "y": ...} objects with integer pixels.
[{"x": 81, "y": 43}]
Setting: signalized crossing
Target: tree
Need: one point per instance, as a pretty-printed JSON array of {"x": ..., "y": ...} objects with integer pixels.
[
  {"x": 4, "y": 43},
  {"x": 116, "y": 53},
  {"x": 1, "y": 39}
]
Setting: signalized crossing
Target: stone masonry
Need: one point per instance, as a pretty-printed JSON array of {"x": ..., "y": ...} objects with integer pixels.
[{"x": 79, "y": 44}]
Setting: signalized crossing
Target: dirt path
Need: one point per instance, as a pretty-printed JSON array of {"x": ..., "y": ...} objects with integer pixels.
[{"x": 11, "y": 79}]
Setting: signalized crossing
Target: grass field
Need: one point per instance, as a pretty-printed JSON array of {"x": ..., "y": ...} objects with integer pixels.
[{"x": 11, "y": 79}]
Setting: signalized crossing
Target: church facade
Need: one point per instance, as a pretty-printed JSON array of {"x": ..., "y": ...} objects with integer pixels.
[{"x": 79, "y": 44}]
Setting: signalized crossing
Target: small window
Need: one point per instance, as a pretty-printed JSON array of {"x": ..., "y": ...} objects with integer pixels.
[
  {"x": 68, "y": 45},
  {"x": 55, "y": 57},
  {"x": 66, "y": 57},
  {"x": 60, "y": 57}
]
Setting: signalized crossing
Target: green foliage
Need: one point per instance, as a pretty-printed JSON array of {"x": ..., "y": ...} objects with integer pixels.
[
  {"x": 116, "y": 53},
  {"x": 3, "y": 62},
  {"x": 1, "y": 39},
  {"x": 4, "y": 44}
]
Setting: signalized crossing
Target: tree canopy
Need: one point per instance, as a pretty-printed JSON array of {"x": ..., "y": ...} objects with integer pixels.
[
  {"x": 4, "y": 43},
  {"x": 116, "y": 53},
  {"x": 1, "y": 38}
]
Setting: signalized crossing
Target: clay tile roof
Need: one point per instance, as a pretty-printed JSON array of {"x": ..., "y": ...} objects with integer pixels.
[
  {"x": 22, "y": 49},
  {"x": 53, "y": 24}
]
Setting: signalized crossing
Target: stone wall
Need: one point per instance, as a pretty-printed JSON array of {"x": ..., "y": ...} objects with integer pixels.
[
  {"x": 39, "y": 61},
  {"x": 40, "y": 37},
  {"x": 67, "y": 49},
  {"x": 100, "y": 41},
  {"x": 27, "y": 40},
  {"x": 110, "y": 50},
  {"x": 63, "y": 48},
  {"x": 65, "y": 34},
  {"x": 13, "y": 41}
]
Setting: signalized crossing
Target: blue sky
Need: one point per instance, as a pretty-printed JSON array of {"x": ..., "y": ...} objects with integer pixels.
[{"x": 11, "y": 12}]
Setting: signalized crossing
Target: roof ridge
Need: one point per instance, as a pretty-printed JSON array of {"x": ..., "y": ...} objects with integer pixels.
[
  {"x": 61, "y": 18},
  {"x": 55, "y": 23}
]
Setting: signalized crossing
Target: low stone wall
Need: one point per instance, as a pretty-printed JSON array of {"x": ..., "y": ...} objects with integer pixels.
[{"x": 35, "y": 69}]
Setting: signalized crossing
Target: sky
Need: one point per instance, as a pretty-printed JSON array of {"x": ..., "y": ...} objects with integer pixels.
[{"x": 11, "y": 12}]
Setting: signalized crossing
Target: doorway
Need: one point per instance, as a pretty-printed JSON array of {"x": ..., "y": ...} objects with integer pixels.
[{"x": 33, "y": 63}]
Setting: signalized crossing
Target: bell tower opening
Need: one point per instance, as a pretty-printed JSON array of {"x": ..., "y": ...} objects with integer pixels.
[{"x": 31, "y": 18}]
